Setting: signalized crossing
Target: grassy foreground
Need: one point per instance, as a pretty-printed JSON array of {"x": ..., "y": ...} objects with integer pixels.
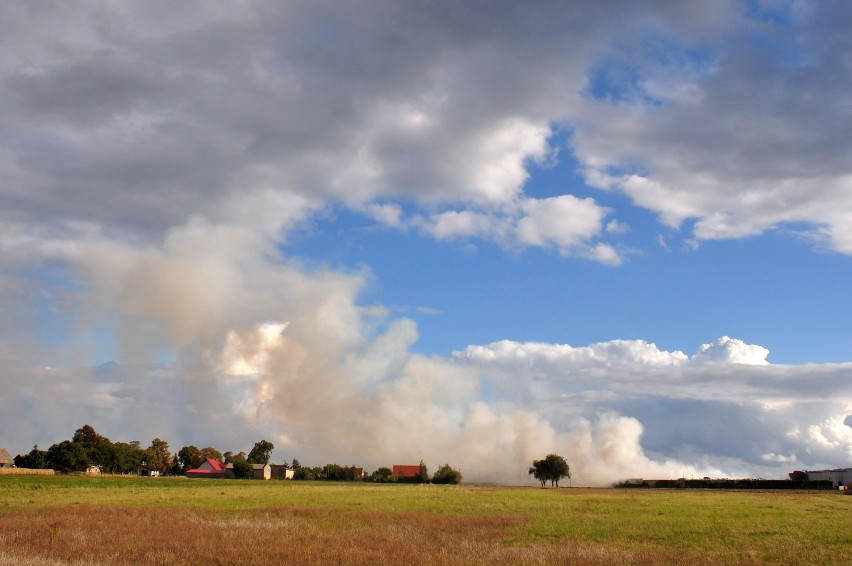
[{"x": 78, "y": 520}]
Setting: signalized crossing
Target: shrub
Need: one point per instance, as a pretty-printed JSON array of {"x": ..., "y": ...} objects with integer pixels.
[{"x": 446, "y": 474}]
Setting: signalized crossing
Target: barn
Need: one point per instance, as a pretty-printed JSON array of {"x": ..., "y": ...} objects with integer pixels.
[
  {"x": 839, "y": 477},
  {"x": 210, "y": 468},
  {"x": 405, "y": 472},
  {"x": 6, "y": 460}
]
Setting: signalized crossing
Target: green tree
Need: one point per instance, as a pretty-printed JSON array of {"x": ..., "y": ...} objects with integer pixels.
[
  {"x": 538, "y": 470},
  {"x": 558, "y": 468},
  {"x": 35, "y": 460},
  {"x": 158, "y": 456},
  {"x": 553, "y": 468},
  {"x": 382, "y": 475},
  {"x": 189, "y": 458},
  {"x": 128, "y": 457},
  {"x": 211, "y": 453},
  {"x": 260, "y": 453},
  {"x": 243, "y": 470},
  {"x": 67, "y": 457},
  {"x": 447, "y": 475}
]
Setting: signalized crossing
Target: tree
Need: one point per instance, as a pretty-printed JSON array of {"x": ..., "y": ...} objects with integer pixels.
[
  {"x": 553, "y": 468},
  {"x": 189, "y": 458},
  {"x": 211, "y": 453},
  {"x": 67, "y": 457},
  {"x": 538, "y": 470},
  {"x": 558, "y": 468},
  {"x": 243, "y": 470},
  {"x": 447, "y": 475},
  {"x": 382, "y": 475},
  {"x": 158, "y": 456},
  {"x": 260, "y": 453},
  {"x": 35, "y": 460}
]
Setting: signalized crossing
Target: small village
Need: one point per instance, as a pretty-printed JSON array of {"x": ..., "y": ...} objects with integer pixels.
[{"x": 90, "y": 453}]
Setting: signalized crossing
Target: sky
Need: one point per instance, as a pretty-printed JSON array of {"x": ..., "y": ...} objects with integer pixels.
[{"x": 475, "y": 233}]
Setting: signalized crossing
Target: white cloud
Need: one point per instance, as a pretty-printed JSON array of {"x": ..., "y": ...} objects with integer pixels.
[{"x": 730, "y": 350}]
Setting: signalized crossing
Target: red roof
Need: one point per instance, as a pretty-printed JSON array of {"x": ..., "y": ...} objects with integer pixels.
[
  {"x": 213, "y": 467},
  {"x": 403, "y": 471}
]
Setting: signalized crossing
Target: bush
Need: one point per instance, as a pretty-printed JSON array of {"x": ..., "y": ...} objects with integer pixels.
[
  {"x": 243, "y": 470},
  {"x": 446, "y": 474}
]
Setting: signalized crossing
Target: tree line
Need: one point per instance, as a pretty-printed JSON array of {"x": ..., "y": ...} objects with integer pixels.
[{"x": 88, "y": 448}]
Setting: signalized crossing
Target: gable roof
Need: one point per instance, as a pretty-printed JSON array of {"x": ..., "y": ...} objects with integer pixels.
[
  {"x": 404, "y": 471},
  {"x": 5, "y": 457}
]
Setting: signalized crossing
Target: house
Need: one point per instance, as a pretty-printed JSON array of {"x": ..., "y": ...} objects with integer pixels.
[
  {"x": 403, "y": 472},
  {"x": 261, "y": 471},
  {"x": 6, "y": 460},
  {"x": 210, "y": 468},
  {"x": 93, "y": 471}
]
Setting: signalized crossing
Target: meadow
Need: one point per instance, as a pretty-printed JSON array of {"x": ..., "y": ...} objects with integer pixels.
[{"x": 123, "y": 520}]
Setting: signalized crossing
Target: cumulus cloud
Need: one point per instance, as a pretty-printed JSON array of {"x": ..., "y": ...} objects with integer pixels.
[
  {"x": 737, "y": 137},
  {"x": 738, "y": 413}
]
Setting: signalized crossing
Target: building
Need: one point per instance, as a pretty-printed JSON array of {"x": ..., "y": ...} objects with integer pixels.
[
  {"x": 404, "y": 472},
  {"x": 93, "y": 471},
  {"x": 281, "y": 472},
  {"x": 261, "y": 471},
  {"x": 839, "y": 477},
  {"x": 210, "y": 468},
  {"x": 6, "y": 460},
  {"x": 147, "y": 472}
]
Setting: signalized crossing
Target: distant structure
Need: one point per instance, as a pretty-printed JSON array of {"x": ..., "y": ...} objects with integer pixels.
[
  {"x": 261, "y": 471},
  {"x": 210, "y": 468},
  {"x": 839, "y": 478},
  {"x": 402, "y": 471},
  {"x": 147, "y": 472},
  {"x": 6, "y": 460},
  {"x": 282, "y": 472}
]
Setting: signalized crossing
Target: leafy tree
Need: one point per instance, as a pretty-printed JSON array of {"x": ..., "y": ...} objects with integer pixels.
[
  {"x": 228, "y": 457},
  {"x": 553, "y": 468},
  {"x": 158, "y": 456},
  {"x": 538, "y": 470},
  {"x": 189, "y": 458},
  {"x": 243, "y": 470},
  {"x": 558, "y": 468},
  {"x": 35, "y": 460},
  {"x": 260, "y": 453},
  {"x": 67, "y": 457},
  {"x": 296, "y": 464},
  {"x": 447, "y": 475},
  {"x": 211, "y": 452},
  {"x": 382, "y": 475},
  {"x": 128, "y": 456}
]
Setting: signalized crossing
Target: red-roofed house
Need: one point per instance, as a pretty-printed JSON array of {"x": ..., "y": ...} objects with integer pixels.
[
  {"x": 404, "y": 472},
  {"x": 211, "y": 468}
]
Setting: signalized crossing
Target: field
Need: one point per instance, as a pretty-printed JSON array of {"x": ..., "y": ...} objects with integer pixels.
[{"x": 79, "y": 520}]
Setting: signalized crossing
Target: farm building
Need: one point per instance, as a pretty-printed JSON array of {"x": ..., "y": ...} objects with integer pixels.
[
  {"x": 282, "y": 472},
  {"x": 261, "y": 471},
  {"x": 6, "y": 460},
  {"x": 147, "y": 472},
  {"x": 839, "y": 477},
  {"x": 210, "y": 468},
  {"x": 93, "y": 471},
  {"x": 402, "y": 471}
]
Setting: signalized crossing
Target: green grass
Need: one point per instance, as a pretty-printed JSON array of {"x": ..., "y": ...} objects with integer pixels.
[{"x": 591, "y": 526}]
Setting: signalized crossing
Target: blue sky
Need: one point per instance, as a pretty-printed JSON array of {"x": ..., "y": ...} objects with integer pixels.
[{"x": 466, "y": 232}]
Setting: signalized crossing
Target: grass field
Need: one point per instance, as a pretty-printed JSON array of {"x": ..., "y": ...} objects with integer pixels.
[{"x": 80, "y": 520}]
